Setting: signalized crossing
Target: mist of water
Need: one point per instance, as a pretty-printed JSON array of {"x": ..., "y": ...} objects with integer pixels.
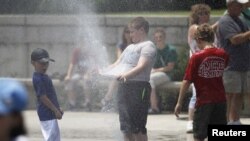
[{"x": 90, "y": 37}]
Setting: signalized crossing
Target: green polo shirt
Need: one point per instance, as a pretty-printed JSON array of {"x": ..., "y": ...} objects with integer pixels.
[{"x": 164, "y": 56}]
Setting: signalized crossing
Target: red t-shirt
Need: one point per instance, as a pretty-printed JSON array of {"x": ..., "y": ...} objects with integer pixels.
[{"x": 205, "y": 70}]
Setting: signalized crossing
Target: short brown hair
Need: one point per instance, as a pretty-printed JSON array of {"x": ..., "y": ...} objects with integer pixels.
[
  {"x": 139, "y": 22},
  {"x": 160, "y": 30},
  {"x": 196, "y": 10},
  {"x": 205, "y": 32}
]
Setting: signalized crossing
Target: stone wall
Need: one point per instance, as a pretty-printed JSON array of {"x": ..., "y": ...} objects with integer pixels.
[{"x": 20, "y": 34}]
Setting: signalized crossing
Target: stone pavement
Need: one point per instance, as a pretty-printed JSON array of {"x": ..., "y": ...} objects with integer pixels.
[{"x": 97, "y": 126}]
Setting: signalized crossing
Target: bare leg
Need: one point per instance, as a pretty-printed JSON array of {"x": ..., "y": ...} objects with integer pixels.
[
  {"x": 71, "y": 95},
  {"x": 229, "y": 101},
  {"x": 154, "y": 100},
  {"x": 191, "y": 114},
  {"x": 189, "y": 128},
  {"x": 87, "y": 95},
  {"x": 235, "y": 108},
  {"x": 191, "y": 109},
  {"x": 87, "y": 91},
  {"x": 128, "y": 137},
  {"x": 111, "y": 90},
  {"x": 71, "y": 98},
  {"x": 141, "y": 137}
]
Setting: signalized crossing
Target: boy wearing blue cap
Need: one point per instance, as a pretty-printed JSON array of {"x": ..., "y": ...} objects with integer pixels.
[{"x": 48, "y": 108}]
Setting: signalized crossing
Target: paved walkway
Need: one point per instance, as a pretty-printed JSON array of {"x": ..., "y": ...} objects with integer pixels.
[{"x": 97, "y": 126}]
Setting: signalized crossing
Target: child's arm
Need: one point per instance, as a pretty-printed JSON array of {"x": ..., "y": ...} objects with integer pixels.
[
  {"x": 184, "y": 88},
  {"x": 69, "y": 72},
  {"x": 45, "y": 100}
]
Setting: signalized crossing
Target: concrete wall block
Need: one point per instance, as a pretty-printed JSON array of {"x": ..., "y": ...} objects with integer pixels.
[
  {"x": 111, "y": 35},
  {"x": 176, "y": 35},
  {"x": 91, "y": 20},
  {"x": 13, "y": 60},
  {"x": 167, "y": 21},
  {"x": 62, "y": 55},
  {"x": 12, "y": 34},
  {"x": 111, "y": 51},
  {"x": 12, "y": 20},
  {"x": 57, "y": 34},
  {"x": 51, "y": 34},
  {"x": 51, "y": 20},
  {"x": 117, "y": 20},
  {"x": 64, "y": 20}
]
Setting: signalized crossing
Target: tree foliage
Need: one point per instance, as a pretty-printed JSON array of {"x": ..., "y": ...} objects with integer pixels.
[{"x": 101, "y": 6}]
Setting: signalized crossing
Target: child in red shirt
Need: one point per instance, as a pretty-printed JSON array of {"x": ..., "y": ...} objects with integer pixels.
[{"x": 205, "y": 70}]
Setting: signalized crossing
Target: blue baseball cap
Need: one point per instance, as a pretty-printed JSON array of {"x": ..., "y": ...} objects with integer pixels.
[
  {"x": 41, "y": 55},
  {"x": 13, "y": 96}
]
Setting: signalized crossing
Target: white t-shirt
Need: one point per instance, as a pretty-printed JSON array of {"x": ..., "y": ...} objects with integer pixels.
[{"x": 130, "y": 58}]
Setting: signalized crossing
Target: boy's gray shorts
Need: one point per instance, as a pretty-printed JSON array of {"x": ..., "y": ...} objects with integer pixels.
[{"x": 236, "y": 82}]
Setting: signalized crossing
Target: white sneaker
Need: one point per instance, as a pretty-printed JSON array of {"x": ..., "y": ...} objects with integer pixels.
[
  {"x": 189, "y": 127},
  {"x": 234, "y": 122}
]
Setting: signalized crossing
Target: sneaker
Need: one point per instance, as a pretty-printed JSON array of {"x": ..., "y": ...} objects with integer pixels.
[
  {"x": 189, "y": 127},
  {"x": 234, "y": 122},
  {"x": 153, "y": 112}
]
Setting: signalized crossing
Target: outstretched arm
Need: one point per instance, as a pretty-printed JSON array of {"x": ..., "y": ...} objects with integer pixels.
[
  {"x": 69, "y": 72},
  {"x": 184, "y": 87}
]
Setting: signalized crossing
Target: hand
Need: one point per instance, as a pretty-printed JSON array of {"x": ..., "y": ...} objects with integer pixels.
[
  {"x": 177, "y": 110},
  {"x": 58, "y": 114},
  {"x": 153, "y": 70},
  {"x": 67, "y": 78},
  {"x": 61, "y": 110},
  {"x": 121, "y": 78}
]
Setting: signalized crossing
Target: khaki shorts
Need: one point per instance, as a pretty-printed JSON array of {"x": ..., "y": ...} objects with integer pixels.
[
  {"x": 158, "y": 78},
  {"x": 236, "y": 82}
]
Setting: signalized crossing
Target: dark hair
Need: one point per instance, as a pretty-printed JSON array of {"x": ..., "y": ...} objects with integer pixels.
[
  {"x": 205, "y": 32},
  {"x": 124, "y": 40},
  {"x": 196, "y": 10},
  {"x": 139, "y": 22}
]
